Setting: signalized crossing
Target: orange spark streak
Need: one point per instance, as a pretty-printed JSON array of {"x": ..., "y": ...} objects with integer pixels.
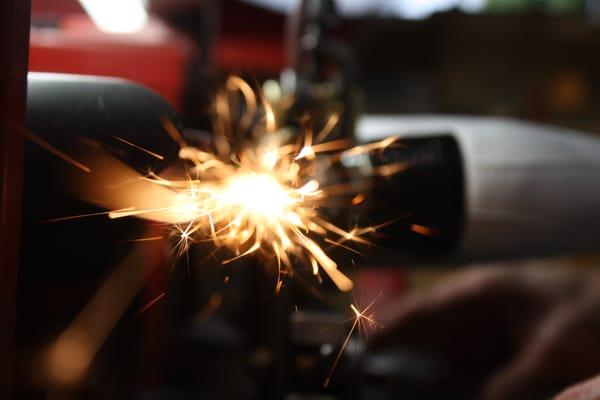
[
  {"x": 423, "y": 230},
  {"x": 235, "y": 82},
  {"x": 334, "y": 243},
  {"x": 71, "y": 217},
  {"x": 359, "y": 198},
  {"x": 339, "y": 354},
  {"x": 42, "y": 143},
  {"x": 391, "y": 169},
  {"x": 271, "y": 124},
  {"x": 328, "y": 128},
  {"x": 151, "y": 303},
  {"x": 148, "y": 239},
  {"x": 333, "y": 145},
  {"x": 153, "y": 154},
  {"x": 173, "y": 131}
]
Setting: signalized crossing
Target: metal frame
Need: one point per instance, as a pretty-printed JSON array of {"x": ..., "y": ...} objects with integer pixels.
[{"x": 14, "y": 49}]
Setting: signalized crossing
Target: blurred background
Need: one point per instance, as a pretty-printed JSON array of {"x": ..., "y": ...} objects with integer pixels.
[
  {"x": 204, "y": 335},
  {"x": 532, "y": 59}
]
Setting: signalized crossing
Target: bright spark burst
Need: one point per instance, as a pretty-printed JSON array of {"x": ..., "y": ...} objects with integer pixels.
[
  {"x": 257, "y": 203},
  {"x": 253, "y": 192}
]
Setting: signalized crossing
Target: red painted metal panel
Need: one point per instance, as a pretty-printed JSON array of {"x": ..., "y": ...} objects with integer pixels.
[{"x": 156, "y": 57}]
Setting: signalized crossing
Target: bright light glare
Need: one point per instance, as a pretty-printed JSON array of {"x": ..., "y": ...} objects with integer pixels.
[
  {"x": 117, "y": 16},
  {"x": 259, "y": 194},
  {"x": 410, "y": 9}
]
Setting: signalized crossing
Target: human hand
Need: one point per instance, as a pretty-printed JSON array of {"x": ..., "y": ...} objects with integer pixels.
[{"x": 506, "y": 333}]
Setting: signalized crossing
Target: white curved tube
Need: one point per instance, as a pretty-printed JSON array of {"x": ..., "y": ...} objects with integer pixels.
[{"x": 530, "y": 189}]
